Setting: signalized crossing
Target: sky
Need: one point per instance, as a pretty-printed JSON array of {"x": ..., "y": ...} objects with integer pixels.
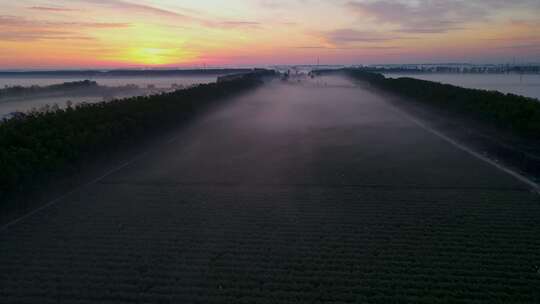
[{"x": 186, "y": 33}]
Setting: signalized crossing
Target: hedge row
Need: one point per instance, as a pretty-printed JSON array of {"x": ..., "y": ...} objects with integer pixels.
[
  {"x": 36, "y": 147},
  {"x": 17, "y": 91},
  {"x": 518, "y": 114}
]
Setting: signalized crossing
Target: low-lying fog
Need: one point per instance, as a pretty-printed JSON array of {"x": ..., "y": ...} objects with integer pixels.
[
  {"x": 525, "y": 85},
  {"x": 139, "y": 86},
  {"x": 322, "y": 131},
  {"x": 111, "y": 81}
]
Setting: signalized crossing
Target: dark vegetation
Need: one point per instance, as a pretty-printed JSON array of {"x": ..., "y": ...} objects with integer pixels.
[
  {"x": 83, "y": 88},
  {"x": 517, "y": 114},
  {"x": 324, "y": 219},
  {"x": 39, "y": 146},
  {"x": 78, "y": 87},
  {"x": 459, "y": 69}
]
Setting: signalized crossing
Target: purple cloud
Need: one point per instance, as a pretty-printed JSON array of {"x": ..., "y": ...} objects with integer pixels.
[
  {"x": 345, "y": 36},
  {"x": 433, "y": 16},
  {"x": 51, "y": 9},
  {"x": 21, "y": 29}
]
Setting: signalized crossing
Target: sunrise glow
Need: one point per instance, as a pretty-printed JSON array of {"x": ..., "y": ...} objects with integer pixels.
[{"x": 155, "y": 33}]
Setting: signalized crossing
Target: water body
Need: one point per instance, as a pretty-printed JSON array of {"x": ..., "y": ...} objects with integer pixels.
[
  {"x": 525, "y": 85},
  {"x": 26, "y": 104}
]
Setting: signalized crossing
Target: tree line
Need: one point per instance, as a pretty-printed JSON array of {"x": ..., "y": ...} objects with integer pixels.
[
  {"x": 517, "y": 114},
  {"x": 39, "y": 146},
  {"x": 18, "y": 91}
]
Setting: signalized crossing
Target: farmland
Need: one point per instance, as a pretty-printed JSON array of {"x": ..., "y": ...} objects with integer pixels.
[
  {"x": 517, "y": 114},
  {"x": 293, "y": 193},
  {"x": 39, "y": 146}
]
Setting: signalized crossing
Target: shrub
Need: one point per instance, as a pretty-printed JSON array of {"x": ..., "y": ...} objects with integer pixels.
[{"x": 518, "y": 114}]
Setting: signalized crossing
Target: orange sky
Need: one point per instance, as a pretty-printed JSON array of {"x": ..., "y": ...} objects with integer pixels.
[{"x": 145, "y": 33}]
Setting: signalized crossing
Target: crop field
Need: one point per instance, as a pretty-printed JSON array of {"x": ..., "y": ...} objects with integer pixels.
[
  {"x": 286, "y": 200},
  {"x": 517, "y": 114},
  {"x": 286, "y": 245},
  {"x": 41, "y": 146}
]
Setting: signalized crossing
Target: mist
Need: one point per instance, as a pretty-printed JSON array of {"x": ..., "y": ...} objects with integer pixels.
[{"x": 23, "y": 94}]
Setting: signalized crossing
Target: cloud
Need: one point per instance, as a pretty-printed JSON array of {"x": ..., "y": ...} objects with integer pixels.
[
  {"x": 521, "y": 46},
  {"x": 13, "y": 21},
  {"x": 21, "y": 29},
  {"x": 34, "y": 35},
  {"x": 270, "y": 4},
  {"x": 126, "y": 6},
  {"x": 240, "y": 24},
  {"x": 51, "y": 9},
  {"x": 348, "y": 48},
  {"x": 346, "y": 36},
  {"x": 433, "y": 16},
  {"x": 123, "y": 5},
  {"x": 98, "y": 24},
  {"x": 282, "y": 4},
  {"x": 436, "y": 16}
]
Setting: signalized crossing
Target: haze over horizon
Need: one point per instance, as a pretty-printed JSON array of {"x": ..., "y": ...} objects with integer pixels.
[{"x": 163, "y": 33}]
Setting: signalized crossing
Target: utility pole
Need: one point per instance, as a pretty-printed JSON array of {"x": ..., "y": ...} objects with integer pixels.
[{"x": 318, "y": 63}]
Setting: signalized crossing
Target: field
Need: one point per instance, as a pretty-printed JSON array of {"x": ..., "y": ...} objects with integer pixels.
[
  {"x": 517, "y": 114},
  {"x": 250, "y": 245},
  {"x": 40, "y": 146},
  {"x": 286, "y": 195}
]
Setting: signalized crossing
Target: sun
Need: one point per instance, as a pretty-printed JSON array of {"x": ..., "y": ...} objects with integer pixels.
[{"x": 153, "y": 56}]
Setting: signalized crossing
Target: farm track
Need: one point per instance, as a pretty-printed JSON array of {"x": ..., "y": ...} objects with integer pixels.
[{"x": 291, "y": 194}]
